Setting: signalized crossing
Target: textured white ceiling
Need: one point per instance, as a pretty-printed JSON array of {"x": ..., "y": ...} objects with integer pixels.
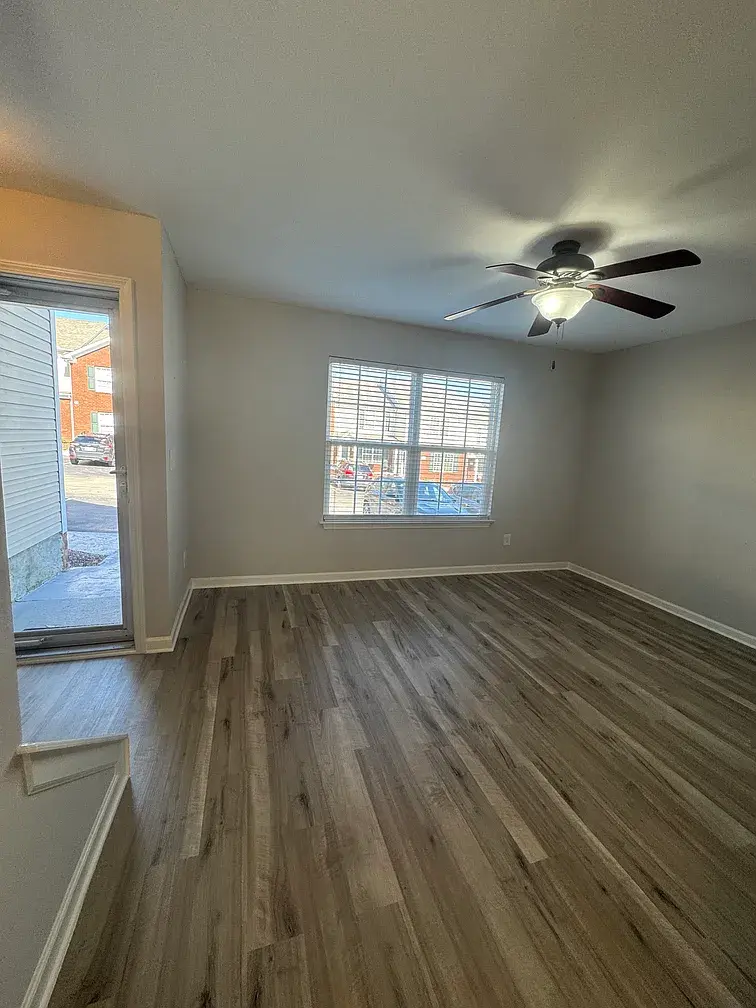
[{"x": 373, "y": 157}]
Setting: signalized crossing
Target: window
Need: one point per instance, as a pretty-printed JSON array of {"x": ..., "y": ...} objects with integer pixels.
[
  {"x": 103, "y": 380},
  {"x": 99, "y": 379},
  {"x": 438, "y": 462},
  {"x": 105, "y": 423},
  {"x": 409, "y": 444},
  {"x": 101, "y": 423}
]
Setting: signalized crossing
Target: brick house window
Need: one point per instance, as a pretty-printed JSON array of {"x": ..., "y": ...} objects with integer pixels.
[
  {"x": 99, "y": 379},
  {"x": 101, "y": 423},
  {"x": 103, "y": 380},
  {"x": 438, "y": 462}
]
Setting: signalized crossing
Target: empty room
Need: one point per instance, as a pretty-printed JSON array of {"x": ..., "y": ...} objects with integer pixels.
[{"x": 377, "y": 505}]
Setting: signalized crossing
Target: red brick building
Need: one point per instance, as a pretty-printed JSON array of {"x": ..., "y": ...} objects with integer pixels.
[{"x": 88, "y": 407}]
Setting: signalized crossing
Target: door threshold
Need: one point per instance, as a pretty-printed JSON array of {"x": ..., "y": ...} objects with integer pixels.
[{"x": 75, "y": 652}]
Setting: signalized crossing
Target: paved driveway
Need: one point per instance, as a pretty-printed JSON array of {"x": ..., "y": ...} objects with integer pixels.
[
  {"x": 90, "y": 498},
  {"x": 92, "y": 484}
]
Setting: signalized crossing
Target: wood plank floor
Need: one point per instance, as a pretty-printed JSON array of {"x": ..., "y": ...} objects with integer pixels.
[{"x": 522, "y": 790}]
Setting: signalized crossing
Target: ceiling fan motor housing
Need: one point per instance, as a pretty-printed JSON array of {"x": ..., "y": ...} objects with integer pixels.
[{"x": 566, "y": 260}]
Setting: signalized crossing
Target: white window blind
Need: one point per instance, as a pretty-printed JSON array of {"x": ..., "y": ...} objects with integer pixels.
[{"x": 409, "y": 444}]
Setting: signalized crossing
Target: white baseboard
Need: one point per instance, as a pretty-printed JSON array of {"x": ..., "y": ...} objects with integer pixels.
[
  {"x": 323, "y": 577},
  {"x": 155, "y": 645},
  {"x": 48, "y": 967},
  {"x": 749, "y": 640},
  {"x": 158, "y": 644}
]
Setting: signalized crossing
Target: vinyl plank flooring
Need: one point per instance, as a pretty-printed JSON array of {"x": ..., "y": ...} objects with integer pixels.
[{"x": 517, "y": 790}]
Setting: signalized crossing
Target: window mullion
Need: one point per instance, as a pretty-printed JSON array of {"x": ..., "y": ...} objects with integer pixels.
[
  {"x": 464, "y": 436},
  {"x": 494, "y": 421},
  {"x": 412, "y": 475}
]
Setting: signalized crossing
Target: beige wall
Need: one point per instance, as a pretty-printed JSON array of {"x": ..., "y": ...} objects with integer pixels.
[
  {"x": 175, "y": 368},
  {"x": 257, "y": 411},
  {"x": 49, "y": 232},
  {"x": 41, "y": 837},
  {"x": 669, "y": 497}
]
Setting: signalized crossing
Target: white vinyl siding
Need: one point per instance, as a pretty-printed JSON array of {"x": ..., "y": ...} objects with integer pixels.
[{"x": 29, "y": 442}]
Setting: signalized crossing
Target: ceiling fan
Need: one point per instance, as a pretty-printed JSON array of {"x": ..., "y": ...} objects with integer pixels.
[{"x": 568, "y": 281}]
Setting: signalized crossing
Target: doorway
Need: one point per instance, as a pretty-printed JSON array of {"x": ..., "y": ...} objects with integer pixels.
[{"x": 62, "y": 462}]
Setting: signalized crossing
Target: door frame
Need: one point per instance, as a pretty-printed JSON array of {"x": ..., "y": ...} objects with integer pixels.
[{"x": 123, "y": 362}]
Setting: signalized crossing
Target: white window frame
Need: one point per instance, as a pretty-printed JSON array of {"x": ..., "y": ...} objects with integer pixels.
[
  {"x": 109, "y": 422},
  {"x": 413, "y": 448},
  {"x": 373, "y": 451},
  {"x": 103, "y": 380},
  {"x": 444, "y": 462}
]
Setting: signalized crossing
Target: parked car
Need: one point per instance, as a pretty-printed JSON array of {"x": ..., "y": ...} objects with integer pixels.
[
  {"x": 92, "y": 448},
  {"x": 387, "y": 497},
  {"x": 350, "y": 474},
  {"x": 471, "y": 495}
]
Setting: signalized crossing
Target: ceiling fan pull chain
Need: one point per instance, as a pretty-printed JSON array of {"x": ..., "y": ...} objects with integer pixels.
[{"x": 560, "y": 334}]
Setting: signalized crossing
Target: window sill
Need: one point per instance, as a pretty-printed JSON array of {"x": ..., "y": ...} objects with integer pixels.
[{"x": 389, "y": 523}]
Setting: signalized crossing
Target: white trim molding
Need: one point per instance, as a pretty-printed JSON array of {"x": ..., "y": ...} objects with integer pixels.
[
  {"x": 123, "y": 353},
  {"x": 49, "y": 764},
  {"x": 157, "y": 645},
  {"x": 323, "y": 577},
  {"x": 749, "y": 640},
  {"x": 394, "y": 523}
]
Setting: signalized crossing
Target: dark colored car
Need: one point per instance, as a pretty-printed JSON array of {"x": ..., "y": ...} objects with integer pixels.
[
  {"x": 350, "y": 474},
  {"x": 387, "y": 498},
  {"x": 471, "y": 495},
  {"x": 92, "y": 448}
]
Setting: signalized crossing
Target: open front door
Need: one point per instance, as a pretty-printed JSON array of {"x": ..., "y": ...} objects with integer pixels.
[{"x": 63, "y": 465}]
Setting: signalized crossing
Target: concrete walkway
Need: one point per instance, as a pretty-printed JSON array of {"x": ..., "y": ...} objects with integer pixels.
[{"x": 80, "y": 596}]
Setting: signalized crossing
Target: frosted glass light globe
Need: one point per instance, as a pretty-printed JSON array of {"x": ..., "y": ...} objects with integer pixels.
[{"x": 561, "y": 302}]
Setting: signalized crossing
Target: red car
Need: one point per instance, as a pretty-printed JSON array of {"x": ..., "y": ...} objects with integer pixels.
[{"x": 352, "y": 474}]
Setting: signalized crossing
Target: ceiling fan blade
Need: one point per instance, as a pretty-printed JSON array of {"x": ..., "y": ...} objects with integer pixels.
[
  {"x": 649, "y": 264},
  {"x": 516, "y": 270},
  {"x": 540, "y": 326},
  {"x": 631, "y": 302},
  {"x": 486, "y": 304}
]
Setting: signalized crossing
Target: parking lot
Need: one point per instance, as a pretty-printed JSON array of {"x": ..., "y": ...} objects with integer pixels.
[
  {"x": 345, "y": 501},
  {"x": 89, "y": 483}
]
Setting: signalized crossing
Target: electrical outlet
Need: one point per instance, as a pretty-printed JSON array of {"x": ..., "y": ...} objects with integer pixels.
[{"x": 506, "y": 540}]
